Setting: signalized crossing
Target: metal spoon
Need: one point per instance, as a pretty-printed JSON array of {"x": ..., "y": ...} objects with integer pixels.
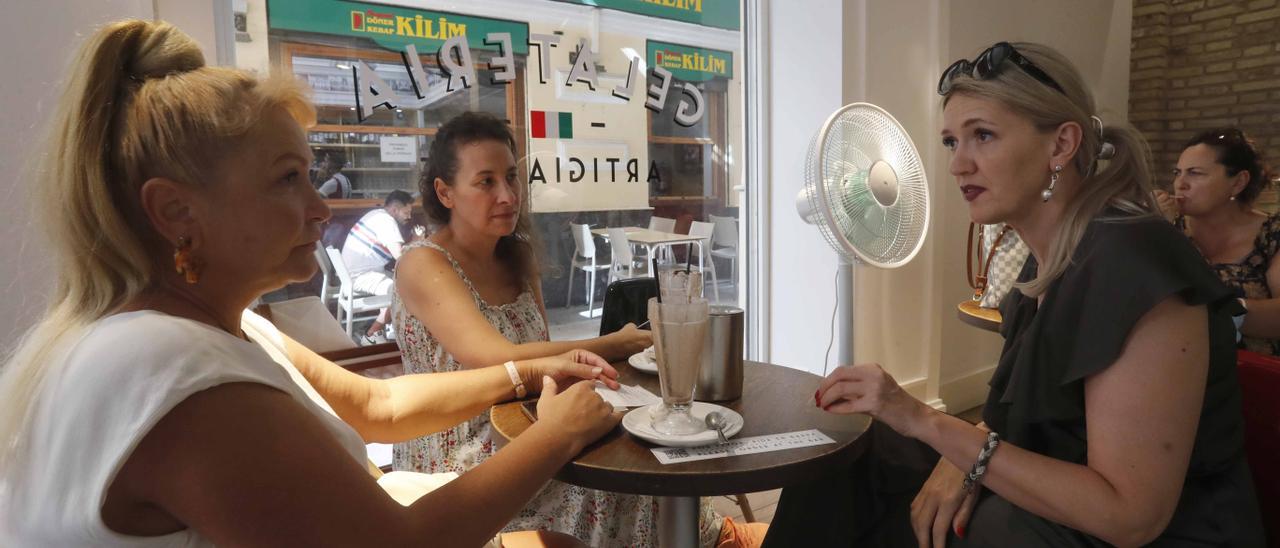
[{"x": 715, "y": 421}]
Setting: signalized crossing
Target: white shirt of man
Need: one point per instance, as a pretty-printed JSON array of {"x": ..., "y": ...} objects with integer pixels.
[{"x": 373, "y": 243}]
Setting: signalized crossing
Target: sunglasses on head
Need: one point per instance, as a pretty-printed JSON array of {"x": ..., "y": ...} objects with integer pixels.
[
  {"x": 989, "y": 63},
  {"x": 1231, "y": 135}
]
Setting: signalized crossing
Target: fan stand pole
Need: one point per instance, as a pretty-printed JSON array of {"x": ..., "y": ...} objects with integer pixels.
[{"x": 845, "y": 311}]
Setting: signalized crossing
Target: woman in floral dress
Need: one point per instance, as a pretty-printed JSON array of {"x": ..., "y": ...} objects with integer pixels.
[{"x": 470, "y": 296}]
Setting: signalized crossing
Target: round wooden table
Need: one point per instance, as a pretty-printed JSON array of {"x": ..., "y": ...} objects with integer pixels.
[
  {"x": 985, "y": 318},
  {"x": 774, "y": 400}
]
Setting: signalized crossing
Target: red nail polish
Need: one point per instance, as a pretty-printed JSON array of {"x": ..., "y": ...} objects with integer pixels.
[
  {"x": 960, "y": 531},
  {"x": 817, "y": 401}
]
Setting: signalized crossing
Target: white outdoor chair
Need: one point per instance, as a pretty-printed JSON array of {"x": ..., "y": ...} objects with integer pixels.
[
  {"x": 662, "y": 224},
  {"x": 326, "y": 275},
  {"x": 724, "y": 242},
  {"x": 705, "y": 231},
  {"x": 622, "y": 265},
  {"x": 308, "y": 321},
  {"x": 351, "y": 302},
  {"x": 584, "y": 259}
]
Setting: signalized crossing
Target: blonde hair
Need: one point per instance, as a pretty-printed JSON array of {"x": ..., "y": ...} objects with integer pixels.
[
  {"x": 140, "y": 103},
  {"x": 1124, "y": 182}
]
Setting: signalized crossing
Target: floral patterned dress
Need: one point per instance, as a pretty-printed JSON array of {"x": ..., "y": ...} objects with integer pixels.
[
  {"x": 1249, "y": 276},
  {"x": 598, "y": 518}
]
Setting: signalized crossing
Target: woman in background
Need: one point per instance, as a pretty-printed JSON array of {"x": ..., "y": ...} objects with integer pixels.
[
  {"x": 336, "y": 185},
  {"x": 1219, "y": 177}
]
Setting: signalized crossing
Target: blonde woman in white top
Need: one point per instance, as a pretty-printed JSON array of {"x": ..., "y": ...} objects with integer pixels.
[{"x": 138, "y": 412}]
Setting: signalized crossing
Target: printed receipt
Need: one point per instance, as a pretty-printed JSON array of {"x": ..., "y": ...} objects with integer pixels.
[
  {"x": 626, "y": 396},
  {"x": 743, "y": 446}
]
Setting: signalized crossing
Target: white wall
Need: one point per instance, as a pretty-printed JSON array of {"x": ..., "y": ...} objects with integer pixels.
[
  {"x": 805, "y": 50},
  {"x": 892, "y": 48},
  {"x": 254, "y": 55},
  {"x": 47, "y": 34},
  {"x": 194, "y": 17},
  {"x": 39, "y": 39}
]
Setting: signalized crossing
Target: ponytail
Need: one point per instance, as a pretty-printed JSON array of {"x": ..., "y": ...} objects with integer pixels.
[
  {"x": 140, "y": 103},
  {"x": 1122, "y": 183}
]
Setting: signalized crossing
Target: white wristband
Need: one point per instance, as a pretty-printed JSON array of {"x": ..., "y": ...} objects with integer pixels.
[{"x": 515, "y": 379}]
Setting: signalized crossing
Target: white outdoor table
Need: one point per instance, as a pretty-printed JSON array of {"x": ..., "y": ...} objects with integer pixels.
[{"x": 653, "y": 239}]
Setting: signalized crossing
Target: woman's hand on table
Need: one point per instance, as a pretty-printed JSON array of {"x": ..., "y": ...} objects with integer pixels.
[
  {"x": 867, "y": 388},
  {"x": 578, "y": 415},
  {"x": 942, "y": 504},
  {"x": 569, "y": 368},
  {"x": 629, "y": 340}
]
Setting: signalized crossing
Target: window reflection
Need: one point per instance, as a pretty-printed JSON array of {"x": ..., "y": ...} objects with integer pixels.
[{"x": 604, "y": 160}]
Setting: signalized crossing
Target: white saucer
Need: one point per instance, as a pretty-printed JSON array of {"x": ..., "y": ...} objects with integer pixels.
[
  {"x": 640, "y": 424},
  {"x": 644, "y": 361}
]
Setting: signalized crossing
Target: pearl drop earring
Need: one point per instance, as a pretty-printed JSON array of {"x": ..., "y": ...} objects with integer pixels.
[{"x": 1053, "y": 180}]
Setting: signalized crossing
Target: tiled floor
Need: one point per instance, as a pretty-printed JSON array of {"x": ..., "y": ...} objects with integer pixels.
[
  {"x": 764, "y": 503},
  {"x": 974, "y": 416},
  {"x": 569, "y": 324}
]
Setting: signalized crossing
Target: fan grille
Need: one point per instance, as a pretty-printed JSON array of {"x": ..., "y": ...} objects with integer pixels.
[{"x": 884, "y": 230}]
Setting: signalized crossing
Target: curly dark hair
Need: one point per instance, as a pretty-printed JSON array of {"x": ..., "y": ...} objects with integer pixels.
[
  {"x": 1237, "y": 153},
  {"x": 517, "y": 250}
]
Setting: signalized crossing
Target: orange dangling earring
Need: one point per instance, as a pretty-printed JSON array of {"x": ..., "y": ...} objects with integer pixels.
[{"x": 184, "y": 263}]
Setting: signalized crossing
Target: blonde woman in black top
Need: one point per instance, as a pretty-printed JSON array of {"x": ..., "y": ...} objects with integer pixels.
[{"x": 1114, "y": 413}]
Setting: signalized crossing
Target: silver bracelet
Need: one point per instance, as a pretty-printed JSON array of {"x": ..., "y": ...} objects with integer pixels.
[{"x": 974, "y": 477}]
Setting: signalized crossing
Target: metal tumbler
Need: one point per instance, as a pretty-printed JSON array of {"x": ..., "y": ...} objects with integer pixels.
[{"x": 720, "y": 378}]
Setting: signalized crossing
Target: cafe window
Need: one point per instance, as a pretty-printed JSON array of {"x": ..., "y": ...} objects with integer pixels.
[
  {"x": 339, "y": 132},
  {"x": 590, "y": 149},
  {"x": 696, "y": 154}
]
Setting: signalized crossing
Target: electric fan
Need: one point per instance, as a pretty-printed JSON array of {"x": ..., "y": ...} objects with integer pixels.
[{"x": 865, "y": 190}]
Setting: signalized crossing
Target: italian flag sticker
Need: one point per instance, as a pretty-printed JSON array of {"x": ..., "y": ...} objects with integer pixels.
[{"x": 551, "y": 125}]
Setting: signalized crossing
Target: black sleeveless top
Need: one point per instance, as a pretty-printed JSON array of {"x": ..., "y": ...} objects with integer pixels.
[{"x": 1121, "y": 269}]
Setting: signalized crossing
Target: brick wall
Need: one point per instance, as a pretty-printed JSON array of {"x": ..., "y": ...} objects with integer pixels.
[{"x": 1198, "y": 64}]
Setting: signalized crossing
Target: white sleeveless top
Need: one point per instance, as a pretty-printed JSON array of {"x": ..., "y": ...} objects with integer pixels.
[{"x": 125, "y": 373}]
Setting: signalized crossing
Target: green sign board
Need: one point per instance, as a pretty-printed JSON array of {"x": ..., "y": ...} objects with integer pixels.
[
  {"x": 689, "y": 63},
  {"x": 392, "y": 27},
  {"x": 725, "y": 14}
]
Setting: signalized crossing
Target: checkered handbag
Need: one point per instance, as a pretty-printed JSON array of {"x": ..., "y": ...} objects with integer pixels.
[{"x": 999, "y": 257}]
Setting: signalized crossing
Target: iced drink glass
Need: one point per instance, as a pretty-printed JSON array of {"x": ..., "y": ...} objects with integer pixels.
[{"x": 679, "y": 331}]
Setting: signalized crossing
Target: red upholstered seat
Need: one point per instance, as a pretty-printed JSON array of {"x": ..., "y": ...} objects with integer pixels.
[{"x": 1260, "y": 387}]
